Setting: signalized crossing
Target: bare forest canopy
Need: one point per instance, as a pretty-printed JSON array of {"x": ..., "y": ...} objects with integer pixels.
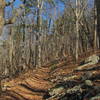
[{"x": 37, "y": 32}]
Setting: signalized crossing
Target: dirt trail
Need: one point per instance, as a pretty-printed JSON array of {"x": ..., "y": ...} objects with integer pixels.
[
  {"x": 34, "y": 85},
  {"x": 30, "y": 86}
]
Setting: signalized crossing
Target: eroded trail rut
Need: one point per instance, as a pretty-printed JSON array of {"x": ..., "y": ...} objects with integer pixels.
[
  {"x": 31, "y": 86},
  {"x": 34, "y": 85}
]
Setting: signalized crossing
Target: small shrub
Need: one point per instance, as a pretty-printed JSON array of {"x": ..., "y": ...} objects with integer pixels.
[{"x": 53, "y": 67}]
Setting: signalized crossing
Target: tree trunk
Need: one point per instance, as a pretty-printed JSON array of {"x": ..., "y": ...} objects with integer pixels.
[
  {"x": 97, "y": 4},
  {"x": 77, "y": 30},
  {"x": 2, "y": 6},
  {"x": 39, "y": 23}
]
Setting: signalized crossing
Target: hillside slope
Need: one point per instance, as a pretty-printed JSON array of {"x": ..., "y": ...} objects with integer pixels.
[{"x": 61, "y": 81}]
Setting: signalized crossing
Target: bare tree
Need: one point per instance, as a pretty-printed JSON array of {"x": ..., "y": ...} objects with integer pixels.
[
  {"x": 3, "y": 4},
  {"x": 79, "y": 14},
  {"x": 97, "y": 22}
]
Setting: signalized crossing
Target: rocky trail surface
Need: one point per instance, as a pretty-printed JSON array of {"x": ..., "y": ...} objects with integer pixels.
[{"x": 60, "y": 80}]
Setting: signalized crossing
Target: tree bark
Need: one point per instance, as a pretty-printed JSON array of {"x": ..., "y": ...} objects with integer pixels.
[
  {"x": 2, "y": 7},
  {"x": 3, "y": 4},
  {"x": 97, "y": 4},
  {"x": 77, "y": 30},
  {"x": 39, "y": 23},
  {"x": 95, "y": 27}
]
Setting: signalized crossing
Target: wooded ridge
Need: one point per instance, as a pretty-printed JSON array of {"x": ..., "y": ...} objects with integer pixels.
[{"x": 49, "y": 49}]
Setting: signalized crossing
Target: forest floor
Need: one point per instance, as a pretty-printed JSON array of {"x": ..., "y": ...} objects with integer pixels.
[{"x": 60, "y": 81}]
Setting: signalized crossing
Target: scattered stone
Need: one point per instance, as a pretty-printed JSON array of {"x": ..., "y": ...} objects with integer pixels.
[
  {"x": 56, "y": 91},
  {"x": 97, "y": 97},
  {"x": 69, "y": 78},
  {"x": 94, "y": 59},
  {"x": 86, "y": 76},
  {"x": 88, "y": 83},
  {"x": 75, "y": 89}
]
